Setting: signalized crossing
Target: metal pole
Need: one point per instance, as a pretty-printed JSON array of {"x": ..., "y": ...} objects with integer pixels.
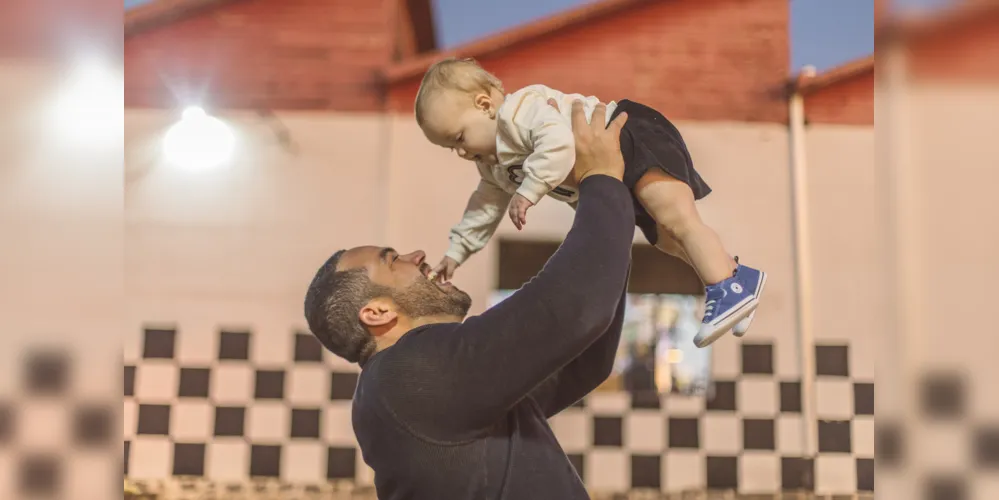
[{"x": 803, "y": 267}]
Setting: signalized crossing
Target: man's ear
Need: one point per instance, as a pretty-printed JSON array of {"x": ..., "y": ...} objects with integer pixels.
[{"x": 378, "y": 315}]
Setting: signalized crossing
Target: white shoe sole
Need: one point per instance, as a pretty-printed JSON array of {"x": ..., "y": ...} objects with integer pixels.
[{"x": 725, "y": 325}]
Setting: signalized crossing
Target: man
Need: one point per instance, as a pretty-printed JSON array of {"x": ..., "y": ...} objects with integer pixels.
[{"x": 452, "y": 410}]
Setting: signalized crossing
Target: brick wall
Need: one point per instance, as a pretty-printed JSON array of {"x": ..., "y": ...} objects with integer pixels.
[
  {"x": 693, "y": 60},
  {"x": 849, "y": 102},
  {"x": 289, "y": 54}
]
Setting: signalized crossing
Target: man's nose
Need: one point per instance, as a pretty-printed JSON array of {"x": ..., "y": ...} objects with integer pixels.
[{"x": 416, "y": 257}]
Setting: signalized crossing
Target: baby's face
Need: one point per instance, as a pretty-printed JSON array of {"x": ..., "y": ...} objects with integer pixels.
[{"x": 464, "y": 123}]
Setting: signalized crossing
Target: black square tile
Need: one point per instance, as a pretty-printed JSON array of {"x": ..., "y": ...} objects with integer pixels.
[
  {"x": 125, "y": 456},
  {"x": 129, "y": 381},
  {"x": 189, "y": 459},
  {"x": 835, "y": 436},
  {"x": 7, "y": 423},
  {"x": 790, "y": 397},
  {"x": 305, "y": 423},
  {"x": 607, "y": 431},
  {"x": 265, "y": 460},
  {"x": 865, "y": 474},
  {"x": 987, "y": 448},
  {"x": 863, "y": 398},
  {"x": 307, "y": 348},
  {"x": 758, "y": 359},
  {"x": 723, "y": 398},
  {"x": 797, "y": 474},
  {"x": 645, "y": 399},
  {"x": 39, "y": 475},
  {"x": 684, "y": 433},
  {"x": 577, "y": 461},
  {"x": 945, "y": 488},
  {"x": 269, "y": 384},
  {"x": 942, "y": 396},
  {"x": 229, "y": 421},
  {"x": 888, "y": 443},
  {"x": 194, "y": 382},
  {"x": 723, "y": 473},
  {"x": 343, "y": 385},
  {"x": 158, "y": 343},
  {"x": 154, "y": 419},
  {"x": 758, "y": 434},
  {"x": 832, "y": 360},
  {"x": 645, "y": 471},
  {"x": 234, "y": 345},
  {"x": 92, "y": 426},
  {"x": 341, "y": 463},
  {"x": 46, "y": 373}
]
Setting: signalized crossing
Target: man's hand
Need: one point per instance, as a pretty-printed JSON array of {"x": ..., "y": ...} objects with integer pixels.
[
  {"x": 445, "y": 270},
  {"x": 518, "y": 210},
  {"x": 598, "y": 149}
]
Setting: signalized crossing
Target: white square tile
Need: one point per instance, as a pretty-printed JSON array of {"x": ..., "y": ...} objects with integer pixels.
[
  {"x": 337, "y": 364},
  {"x": 726, "y": 360},
  {"x": 271, "y": 347},
  {"x": 573, "y": 428},
  {"x": 757, "y": 396},
  {"x": 677, "y": 405},
  {"x": 197, "y": 343},
  {"x": 683, "y": 470},
  {"x": 150, "y": 457},
  {"x": 759, "y": 472},
  {"x": 364, "y": 475},
  {"x": 790, "y": 437},
  {"x": 232, "y": 384},
  {"x": 787, "y": 366},
  {"x": 608, "y": 470},
  {"x": 863, "y": 437},
  {"x": 614, "y": 404},
  {"x": 156, "y": 381},
  {"x": 227, "y": 459},
  {"x": 984, "y": 486},
  {"x": 191, "y": 421},
  {"x": 721, "y": 434},
  {"x": 835, "y": 474},
  {"x": 267, "y": 422},
  {"x": 129, "y": 419},
  {"x": 833, "y": 398},
  {"x": 303, "y": 463},
  {"x": 308, "y": 385},
  {"x": 942, "y": 447},
  {"x": 43, "y": 425},
  {"x": 337, "y": 428},
  {"x": 644, "y": 431},
  {"x": 89, "y": 475}
]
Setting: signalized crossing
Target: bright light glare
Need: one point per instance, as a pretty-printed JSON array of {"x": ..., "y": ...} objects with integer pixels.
[
  {"x": 198, "y": 140},
  {"x": 88, "y": 109}
]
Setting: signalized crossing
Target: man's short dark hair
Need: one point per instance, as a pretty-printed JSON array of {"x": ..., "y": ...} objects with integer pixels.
[{"x": 332, "y": 305}]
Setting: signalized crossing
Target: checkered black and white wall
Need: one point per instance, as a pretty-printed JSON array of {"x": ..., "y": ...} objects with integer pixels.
[{"x": 220, "y": 412}]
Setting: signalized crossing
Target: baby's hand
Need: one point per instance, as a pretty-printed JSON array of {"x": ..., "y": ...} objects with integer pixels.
[
  {"x": 518, "y": 210},
  {"x": 445, "y": 270}
]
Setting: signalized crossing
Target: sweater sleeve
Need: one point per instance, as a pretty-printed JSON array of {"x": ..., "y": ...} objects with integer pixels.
[
  {"x": 453, "y": 381},
  {"x": 549, "y": 135},
  {"x": 483, "y": 214}
]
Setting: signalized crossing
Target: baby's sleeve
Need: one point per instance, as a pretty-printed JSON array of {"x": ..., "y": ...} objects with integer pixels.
[
  {"x": 548, "y": 134},
  {"x": 483, "y": 214}
]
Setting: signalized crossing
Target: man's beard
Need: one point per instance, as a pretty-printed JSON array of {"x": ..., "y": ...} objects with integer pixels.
[{"x": 423, "y": 299}]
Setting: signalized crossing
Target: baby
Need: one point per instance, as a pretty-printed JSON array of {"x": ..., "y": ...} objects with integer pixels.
[{"x": 523, "y": 148}]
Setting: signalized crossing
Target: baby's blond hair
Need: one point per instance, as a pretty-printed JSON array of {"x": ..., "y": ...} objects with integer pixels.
[{"x": 463, "y": 75}]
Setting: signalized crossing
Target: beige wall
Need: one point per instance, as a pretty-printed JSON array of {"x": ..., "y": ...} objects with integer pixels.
[{"x": 255, "y": 231}]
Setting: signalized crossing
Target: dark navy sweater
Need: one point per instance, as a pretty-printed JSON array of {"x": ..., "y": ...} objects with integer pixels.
[{"x": 458, "y": 411}]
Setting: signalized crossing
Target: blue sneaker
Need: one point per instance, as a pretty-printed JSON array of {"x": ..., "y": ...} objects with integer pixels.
[
  {"x": 730, "y": 302},
  {"x": 742, "y": 327}
]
